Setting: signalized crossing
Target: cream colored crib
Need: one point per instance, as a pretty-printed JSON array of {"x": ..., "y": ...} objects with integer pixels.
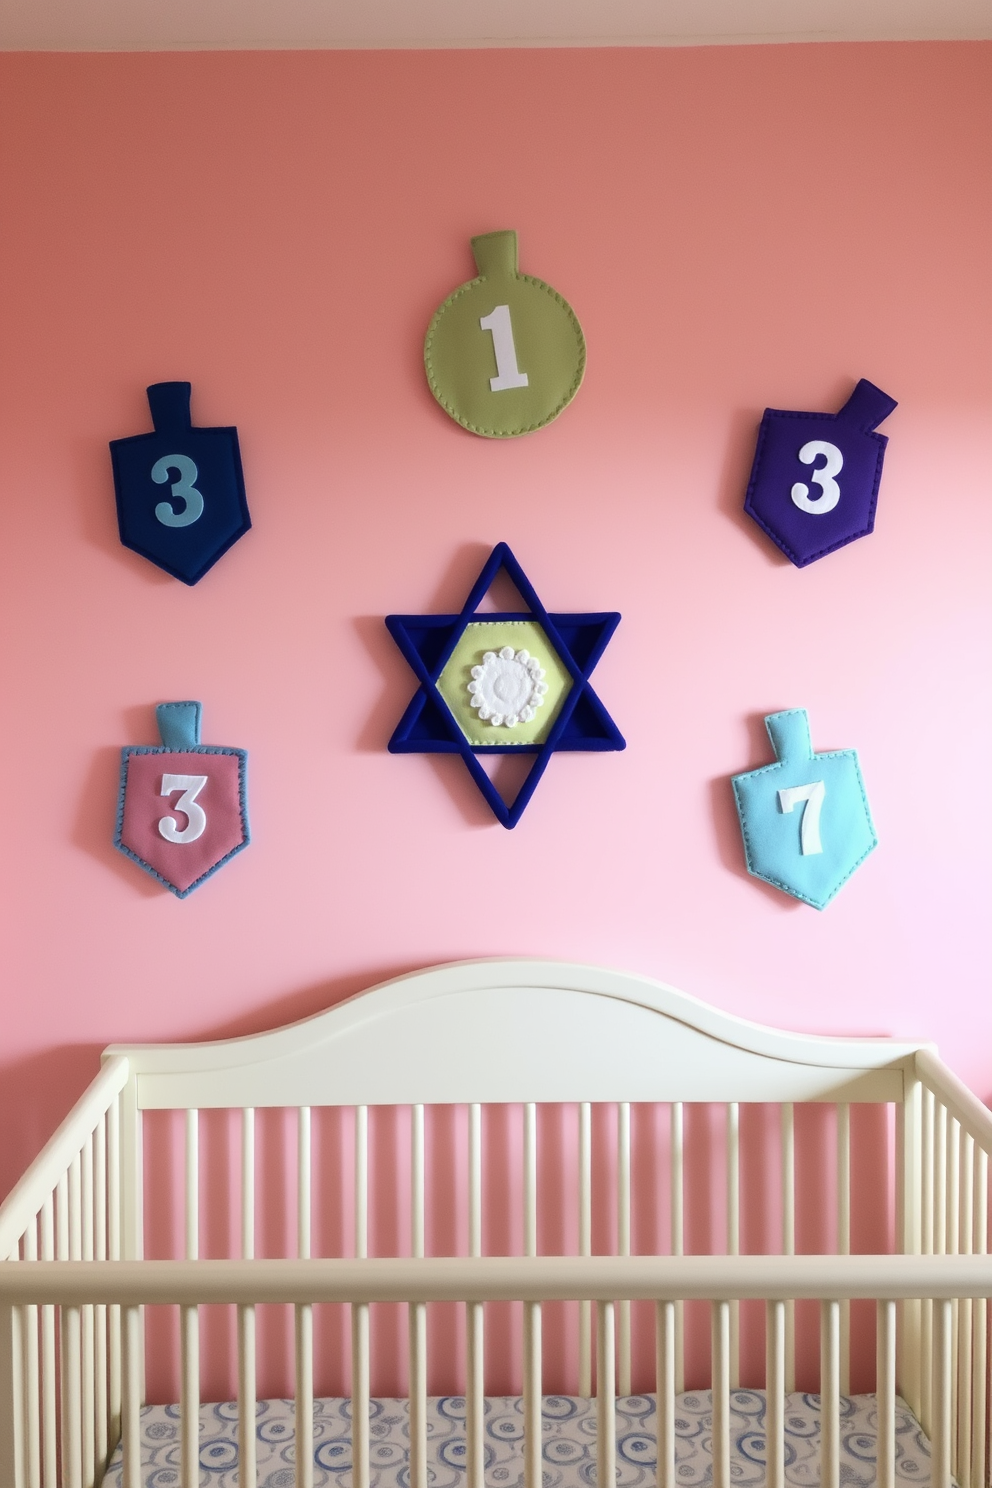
[{"x": 477, "y": 1035}]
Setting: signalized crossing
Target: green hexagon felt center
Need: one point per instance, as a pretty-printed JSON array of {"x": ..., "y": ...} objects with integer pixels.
[
  {"x": 505, "y": 353},
  {"x": 504, "y": 683}
]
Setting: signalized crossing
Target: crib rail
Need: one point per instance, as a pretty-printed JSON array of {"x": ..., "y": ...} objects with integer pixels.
[{"x": 944, "y": 1281}]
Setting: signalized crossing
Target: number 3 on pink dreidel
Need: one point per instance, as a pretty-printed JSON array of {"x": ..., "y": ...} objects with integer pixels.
[{"x": 183, "y": 810}]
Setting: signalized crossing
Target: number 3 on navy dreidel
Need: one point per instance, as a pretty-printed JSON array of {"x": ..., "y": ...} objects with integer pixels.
[
  {"x": 182, "y": 490},
  {"x": 202, "y": 511}
]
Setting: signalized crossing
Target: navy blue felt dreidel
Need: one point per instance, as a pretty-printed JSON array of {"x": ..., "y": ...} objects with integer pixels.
[
  {"x": 180, "y": 490},
  {"x": 814, "y": 481}
]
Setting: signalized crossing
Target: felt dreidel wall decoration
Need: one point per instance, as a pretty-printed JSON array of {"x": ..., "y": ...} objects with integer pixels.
[
  {"x": 805, "y": 820},
  {"x": 504, "y": 354},
  {"x": 183, "y": 810},
  {"x": 180, "y": 490},
  {"x": 815, "y": 477}
]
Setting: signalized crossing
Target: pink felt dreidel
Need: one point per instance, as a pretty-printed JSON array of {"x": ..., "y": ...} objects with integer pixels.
[{"x": 183, "y": 809}]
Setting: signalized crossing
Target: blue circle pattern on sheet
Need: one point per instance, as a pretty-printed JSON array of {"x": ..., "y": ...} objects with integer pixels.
[{"x": 569, "y": 1445}]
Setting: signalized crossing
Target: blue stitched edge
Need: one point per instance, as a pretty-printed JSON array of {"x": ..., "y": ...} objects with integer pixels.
[{"x": 242, "y": 755}]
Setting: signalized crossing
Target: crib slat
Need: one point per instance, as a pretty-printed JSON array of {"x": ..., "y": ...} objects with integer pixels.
[
  {"x": 248, "y": 1184},
  {"x": 720, "y": 1375},
  {"x": 844, "y": 1233},
  {"x": 49, "y": 1431},
  {"x": 131, "y": 1395},
  {"x": 980, "y": 1319},
  {"x": 676, "y": 1206},
  {"x": 189, "y": 1395},
  {"x": 788, "y": 1121},
  {"x": 361, "y": 1183},
  {"x": 303, "y": 1180},
  {"x": 623, "y": 1239},
  {"x": 304, "y": 1395},
  {"x": 474, "y": 1314},
  {"x": 417, "y": 1310},
  {"x": 530, "y": 1179},
  {"x": 87, "y": 1341},
  {"x": 606, "y": 1391},
  {"x": 247, "y": 1441},
  {"x": 942, "y": 1433},
  {"x": 775, "y": 1393},
  {"x": 951, "y": 1221},
  {"x": 32, "y": 1397},
  {"x": 533, "y": 1473},
  {"x": 926, "y": 1246},
  {"x": 303, "y": 1312},
  {"x": 734, "y": 1226},
  {"x": 829, "y": 1394},
  {"x": 475, "y": 1180},
  {"x": 360, "y": 1392},
  {"x": 418, "y": 1394},
  {"x": 585, "y": 1243},
  {"x": 72, "y": 1424},
  {"x": 966, "y": 1168},
  {"x": 247, "y": 1469},
  {"x": 885, "y": 1392},
  {"x": 101, "y": 1444},
  {"x": 189, "y": 1318},
  {"x": 191, "y": 1187},
  {"x": 475, "y": 1397},
  {"x": 664, "y": 1371},
  {"x": 114, "y": 1254},
  {"x": 72, "y": 1435}
]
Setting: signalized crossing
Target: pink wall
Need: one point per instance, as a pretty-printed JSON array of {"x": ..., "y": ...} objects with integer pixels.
[{"x": 734, "y": 227}]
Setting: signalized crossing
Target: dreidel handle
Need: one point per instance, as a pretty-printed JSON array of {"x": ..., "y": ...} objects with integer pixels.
[
  {"x": 789, "y": 733},
  {"x": 179, "y": 725},
  {"x": 867, "y": 406},
  {"x": 169, "y": 403},
  {"x": 496, "y": 254}
]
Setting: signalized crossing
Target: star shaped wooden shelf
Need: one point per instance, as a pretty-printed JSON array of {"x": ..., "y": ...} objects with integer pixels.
[{"x": 504, "y": 683}]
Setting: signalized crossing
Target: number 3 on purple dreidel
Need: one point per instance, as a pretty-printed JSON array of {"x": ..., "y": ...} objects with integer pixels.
[{"x": 824, "y": 477}]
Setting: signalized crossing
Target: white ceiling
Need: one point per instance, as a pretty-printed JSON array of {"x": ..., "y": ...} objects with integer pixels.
[{"x": 151, "y": 25}]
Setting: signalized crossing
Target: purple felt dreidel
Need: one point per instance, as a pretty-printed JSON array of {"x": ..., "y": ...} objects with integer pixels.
[{"x": 814, "y": 481}]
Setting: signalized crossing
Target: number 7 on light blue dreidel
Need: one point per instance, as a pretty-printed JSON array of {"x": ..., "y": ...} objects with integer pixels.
[{"x": 805, "y": 820}]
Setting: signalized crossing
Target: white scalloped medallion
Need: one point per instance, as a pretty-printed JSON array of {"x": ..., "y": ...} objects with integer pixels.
[{"x": 508, "y": 687}]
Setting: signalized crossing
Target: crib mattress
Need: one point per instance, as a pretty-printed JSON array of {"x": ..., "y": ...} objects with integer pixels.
[{"x": 569, "y": 1447}]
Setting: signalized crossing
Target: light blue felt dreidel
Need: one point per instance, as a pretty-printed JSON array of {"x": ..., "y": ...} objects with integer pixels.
[{"x": 805, "y": 820}]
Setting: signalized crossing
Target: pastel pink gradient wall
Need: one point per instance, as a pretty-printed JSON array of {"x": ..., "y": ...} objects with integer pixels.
[{"x": 734, "y": 227}]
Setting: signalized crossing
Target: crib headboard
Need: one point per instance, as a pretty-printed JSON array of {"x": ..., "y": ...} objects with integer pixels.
[{"x": 513, "y": 1030}]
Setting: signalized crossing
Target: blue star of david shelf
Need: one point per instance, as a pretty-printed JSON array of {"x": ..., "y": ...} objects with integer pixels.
[{"x": 504, "y": 683}]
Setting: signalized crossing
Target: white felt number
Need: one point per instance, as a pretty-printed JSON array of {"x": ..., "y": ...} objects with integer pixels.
[
  {"x": 508, "y": 374},
  {"x": 811, "y": 799},
  {"x": 196, "y": 817},
  {"x": 182, "y": 490},
  {"x": 818, "y": 506}
]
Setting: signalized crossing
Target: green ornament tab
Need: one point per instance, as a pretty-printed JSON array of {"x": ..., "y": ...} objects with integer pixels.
[{"x": 504, "y": 353}]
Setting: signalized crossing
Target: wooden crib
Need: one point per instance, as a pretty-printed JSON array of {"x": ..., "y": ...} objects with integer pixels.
[{"x": 530, "y": 1037}]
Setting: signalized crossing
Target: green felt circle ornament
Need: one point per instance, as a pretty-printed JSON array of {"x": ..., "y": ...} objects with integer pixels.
[{"x": 504, "y": 354}]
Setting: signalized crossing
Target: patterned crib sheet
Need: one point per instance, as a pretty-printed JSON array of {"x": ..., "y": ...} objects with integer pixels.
[{"x": 569, "y": 1448}]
